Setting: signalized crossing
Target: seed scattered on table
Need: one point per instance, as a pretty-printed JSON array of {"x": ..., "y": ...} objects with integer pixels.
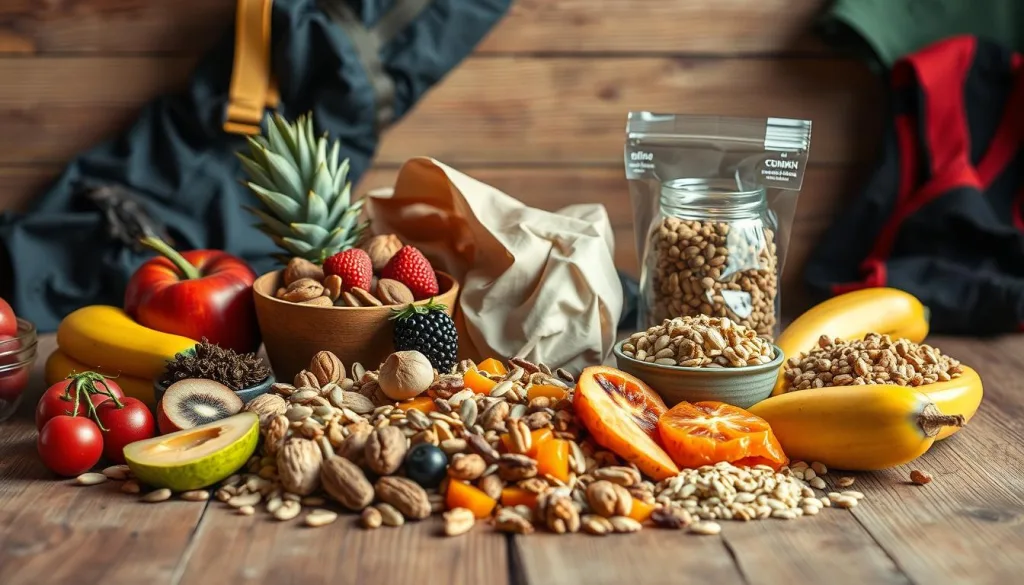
[
  {"x": 195, "y": 496},
  {"x": 320, "y": 517},
  {"x": 117, "y": 472},
  {"x": 919, "y": 477},
  {"x": 706, "y": 528},
  {"x": 246, "y": 511},
  {"x": 160, "y": 495},
  {"x": 845, "y": 481},
  {"x": 90, "y": 479}
]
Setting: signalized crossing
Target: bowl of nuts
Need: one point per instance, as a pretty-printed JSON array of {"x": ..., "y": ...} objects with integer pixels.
[{"x": 702, "y": 358}]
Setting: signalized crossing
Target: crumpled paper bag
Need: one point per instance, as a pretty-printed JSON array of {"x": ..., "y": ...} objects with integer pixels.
[{"x": 535, "y": 284}]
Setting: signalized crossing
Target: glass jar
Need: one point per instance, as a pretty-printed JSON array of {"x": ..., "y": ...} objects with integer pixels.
[{"x": 711, "y": 250}]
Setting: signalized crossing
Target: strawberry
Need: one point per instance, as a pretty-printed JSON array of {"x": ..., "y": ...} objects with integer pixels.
[
  {"x": 353, "y": 266},
  {"x": 409, "y": 267}
]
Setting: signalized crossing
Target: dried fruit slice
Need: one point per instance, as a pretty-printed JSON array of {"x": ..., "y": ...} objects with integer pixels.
[
  {"x": 622, "y": 413},
  {"x": 641, "y": 510},
  {"x": 553, "y": 459},
  {"x": 477, "y": 382},
  {"x": 492, "y": 366},
  {"x": 463, "y": 495},
  {"x": 705, "y": 433},
  {"x": 516, "y": 496},
  {"x": 537, "y": 438},
  {"x": 424, "y": 404},
  {"x": 547, "y": 391}
]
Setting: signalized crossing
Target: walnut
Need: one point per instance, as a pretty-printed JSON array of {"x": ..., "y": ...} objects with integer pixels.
[
  {"x": 276, "y": 433},
  {"x": 326, "y": 368},
  {"x": 381, "y": 248},
  {"x": 300, "y": 268},
  {"x": 514, "y": 467},
  {"x": 298, "y": 466},
  {"x": 468, "y": 466},
  {"x": 346, "y": 483},
  {"x": 385, "y": 450},
  {"x": 404, "y": 494},
  {"x": 560, "y": 514},
  {"x": 267, "y": 406},
  {"x": 405, "y": 374},
  {"x": 609, "y": 499}
]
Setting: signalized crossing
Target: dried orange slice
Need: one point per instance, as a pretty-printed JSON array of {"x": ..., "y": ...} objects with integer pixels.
[
  {"x": 621, "y": 412},
  {"x": 705, "y": 433}
]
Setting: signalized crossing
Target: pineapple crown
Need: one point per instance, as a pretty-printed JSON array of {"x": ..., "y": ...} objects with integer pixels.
[{"x": 307, "y": 202}]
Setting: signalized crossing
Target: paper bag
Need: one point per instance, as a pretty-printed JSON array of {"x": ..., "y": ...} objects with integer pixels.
[{"x": 535, "y": 284}]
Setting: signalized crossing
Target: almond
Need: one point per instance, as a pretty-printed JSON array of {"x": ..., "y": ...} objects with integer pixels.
[
  {"x": 299, "y": 268},
  {"x": 351, "y": 300},
  {"x": 365, "y": 298},
  {"x": 392, "y": 292}
]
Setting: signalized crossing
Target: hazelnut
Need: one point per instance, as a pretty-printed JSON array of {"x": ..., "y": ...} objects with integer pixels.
[
  {"x": 405, "y": 374},
  {"x": 381, "y": 248}
]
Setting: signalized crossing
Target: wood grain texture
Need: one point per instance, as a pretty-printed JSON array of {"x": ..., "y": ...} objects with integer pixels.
[
  {"x": 488, "y": 111},
  {"x": 826, "y": 189},
  {"x": 531, "y": 26},
  {"x": 57, "y": 533},
  {"x": 257, "y": 549}
]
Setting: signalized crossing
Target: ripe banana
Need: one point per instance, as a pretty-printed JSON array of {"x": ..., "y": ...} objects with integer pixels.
[
  {"x": 59, "y": 365},
  {"x": 856, "y": 428},
  {"x": 107, "y": 338}
]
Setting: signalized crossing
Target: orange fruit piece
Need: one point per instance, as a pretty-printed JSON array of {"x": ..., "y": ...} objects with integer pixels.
[
  {"x": 553, "y": 459},
  {"x": 478, "y": 382},
  {"x": 705, "y": 433},
  {"x": 537, "y": 438},
  {"x": 546, "y": 390},
  {"x": 621, "y": 413},
  {"x": 423, "y": 404},
  {"x": 462, "y": 495},
  {"x": 514, "y": 496},
  {"x": 492, "y": 366},
  {"x": 641, "y": 510}
]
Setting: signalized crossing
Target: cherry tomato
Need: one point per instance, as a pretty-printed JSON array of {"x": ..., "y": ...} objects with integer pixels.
[
  {"x": 13, "y": 383},
  {"x": 70, "y": 445},
  {"x": 60, "y": 399},
  {"x": 8, "y": 324},
  {"x": 132, "y": 422}
]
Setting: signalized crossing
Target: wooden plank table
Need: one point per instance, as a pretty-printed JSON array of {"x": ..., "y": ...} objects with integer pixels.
[{"x": 966, "y": 526}]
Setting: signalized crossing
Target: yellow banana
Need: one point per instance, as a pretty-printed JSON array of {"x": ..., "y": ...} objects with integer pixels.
[
  {"x": 107, "y": 338},
  {"x": 857, "y": 428},
  {"x": 59, "y": 365}
]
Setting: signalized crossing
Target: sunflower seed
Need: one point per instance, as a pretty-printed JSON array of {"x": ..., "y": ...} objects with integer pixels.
[
  {"x": 90, "y": 479},
  {"x": 501, "y": 389},
  {"x": 706, "y": 528},
  {"x": 195, "y": 496},
  {"x": 320, "y": 517},
  {"x": 117, "y": 472},
  {"x": 160, "y": 495}
]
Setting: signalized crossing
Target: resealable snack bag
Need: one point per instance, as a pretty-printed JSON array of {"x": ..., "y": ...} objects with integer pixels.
[{"x": 713, "y": 203}]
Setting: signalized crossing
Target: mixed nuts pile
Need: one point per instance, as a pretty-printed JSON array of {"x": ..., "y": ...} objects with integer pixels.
[
  {"x": 714, "y": 268},
  {"x": 875, "y": 359},
  {"x": 700, "y": 341}
]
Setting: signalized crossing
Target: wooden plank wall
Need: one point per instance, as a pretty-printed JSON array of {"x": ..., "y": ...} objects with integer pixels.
[{"x": 538, "y": 110}]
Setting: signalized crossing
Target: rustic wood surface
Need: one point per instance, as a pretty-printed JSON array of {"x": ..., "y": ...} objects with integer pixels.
[{"x": 965, "y": 527}]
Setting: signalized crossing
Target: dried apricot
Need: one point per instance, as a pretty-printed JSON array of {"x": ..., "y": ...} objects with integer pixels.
[
  {"x": 462, "y": 495},
  {"x": 547, "y": 391},
  {"x": 641, "y": 510},
  {"x": 515, "y": 496},
  {"x": 621, "y": 413},
  {"x": 492, "y": 366},
  {"x": 423, "y": 404},
  {"x": 537, "y": 438},
  {"x": 478, "y": 382},
  {"x": 705, "y": 433},
  {"x": 553, "y": 459}
]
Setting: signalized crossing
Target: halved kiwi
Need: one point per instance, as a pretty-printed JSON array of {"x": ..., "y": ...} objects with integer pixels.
[{"x": 193, "y": 402}]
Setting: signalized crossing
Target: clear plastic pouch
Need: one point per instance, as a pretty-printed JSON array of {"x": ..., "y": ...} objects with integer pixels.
[{"x": 713, "y": 203}]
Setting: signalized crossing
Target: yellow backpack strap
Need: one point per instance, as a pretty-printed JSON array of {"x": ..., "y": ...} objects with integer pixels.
[{"x": 252, "y": 88}]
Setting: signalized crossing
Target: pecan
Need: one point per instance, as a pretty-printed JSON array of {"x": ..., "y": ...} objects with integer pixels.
[
  {"x": 404, "y": 494},
  {"x": 560, "y": 514},
  {"x": 528, "y": 366},
  {"x": 446, "y": 385},
  {"x": 267, "y": 407},
  {"x": 300, "y": 268},
  {"x": 392, "y": 292},
  {"x": 534, "y": 485},
  {"x": 624, "y": 476},
  {"x": 326, "y": 368},
  {"x": 514, "y": 467},
  {"x": 385, "y": 450},
  {"x": 303, "y": 289},
  {"x": 609, "y": 499},
  {"x": 671, "y": 517},
  {"x": 491, "y": 485},
  {"x": 509, "y": 521},
  {"x": 494, "y": 416},
  {"x": 479, "y": 445},
  {"x": 346, "y": 483},
  {"x": 298, "y": 466},
  {"x": 467, "y": 466},
  {"x": 519, "y": 435},
  {"x": 538, "y": 420}
]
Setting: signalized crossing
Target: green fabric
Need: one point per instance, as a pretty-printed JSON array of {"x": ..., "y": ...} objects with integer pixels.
[{"x": 890, "y": 29}]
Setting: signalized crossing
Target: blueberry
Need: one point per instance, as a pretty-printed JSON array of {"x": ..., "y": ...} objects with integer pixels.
[{"x": 426, "y": 465}]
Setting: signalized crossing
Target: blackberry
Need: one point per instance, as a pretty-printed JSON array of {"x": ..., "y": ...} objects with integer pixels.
[{"x": 428, "y": 329}]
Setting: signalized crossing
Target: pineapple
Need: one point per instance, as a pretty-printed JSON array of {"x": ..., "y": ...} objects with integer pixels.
[{"x": 307, "y": 203}]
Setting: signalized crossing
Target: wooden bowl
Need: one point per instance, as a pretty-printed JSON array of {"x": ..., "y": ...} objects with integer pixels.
[
  {"x": 742, "y": 387},
  {"x": 293, "y": 333}
]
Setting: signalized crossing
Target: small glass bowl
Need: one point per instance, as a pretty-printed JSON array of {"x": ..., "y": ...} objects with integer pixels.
[{"x": 17, "y": 355}]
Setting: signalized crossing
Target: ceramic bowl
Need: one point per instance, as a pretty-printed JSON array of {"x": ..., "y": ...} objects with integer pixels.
[
  {"x": 294, "y": 333},
  {"x": 246, "y": 394},
  {"x": 741, "y": 387}
]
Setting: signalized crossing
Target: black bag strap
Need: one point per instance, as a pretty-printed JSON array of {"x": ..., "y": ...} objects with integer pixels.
[{"x": 368, "y": 43}]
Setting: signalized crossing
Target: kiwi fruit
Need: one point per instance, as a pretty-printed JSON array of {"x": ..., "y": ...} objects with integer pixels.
[{"x": 192, "y": 402}]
